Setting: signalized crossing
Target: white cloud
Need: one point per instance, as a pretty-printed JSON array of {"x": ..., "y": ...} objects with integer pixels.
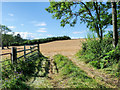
[
  {"x": 22, "y": 24},
  {"x": 10, "y": 33},
  {"x": 11, "y": 14},
  {"x": 41, "y": 24},
  {"x": 76, "y": 37},
  {"x": 36, "y": 23},
  {"x": 42, "y": 30},
  {"x": 25, "y": 35},
  {"x": 77, "y": 32},
  {"x": 36, "y": 38},
  {"x": 11, "y": 27}
]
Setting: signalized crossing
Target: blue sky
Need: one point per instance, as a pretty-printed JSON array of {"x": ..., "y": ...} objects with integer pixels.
[{"x": 31, "y": 21}]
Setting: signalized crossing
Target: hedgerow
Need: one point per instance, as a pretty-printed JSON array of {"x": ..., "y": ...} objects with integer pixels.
[{"x": 39, "y": 41}]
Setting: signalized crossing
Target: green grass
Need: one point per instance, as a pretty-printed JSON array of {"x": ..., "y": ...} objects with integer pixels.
[
  {"x": 75, "y": 78},
  {"x": 17, "y": 75}
]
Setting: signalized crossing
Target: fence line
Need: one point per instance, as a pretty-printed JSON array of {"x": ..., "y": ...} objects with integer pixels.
[{"x": 14, "y": 53}]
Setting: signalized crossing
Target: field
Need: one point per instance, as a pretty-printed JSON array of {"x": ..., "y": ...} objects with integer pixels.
[
  {"x": 69, "y": 48},
  {"x": 64, "y": 47}
]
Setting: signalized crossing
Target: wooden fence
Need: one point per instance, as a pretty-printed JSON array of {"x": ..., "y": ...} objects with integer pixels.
[{"x": 14, "y": 53}]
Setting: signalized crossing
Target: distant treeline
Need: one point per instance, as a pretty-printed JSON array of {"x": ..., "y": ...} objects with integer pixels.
[{"x": 39, "y": 41}]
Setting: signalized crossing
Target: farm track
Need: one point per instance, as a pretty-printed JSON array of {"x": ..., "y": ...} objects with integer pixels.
[
  {"x": 99, "y": 76},
  {"x": 69, "y": 48}
]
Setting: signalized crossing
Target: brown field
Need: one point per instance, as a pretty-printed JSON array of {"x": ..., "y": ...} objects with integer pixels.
[{"x": 64, "y": 47}]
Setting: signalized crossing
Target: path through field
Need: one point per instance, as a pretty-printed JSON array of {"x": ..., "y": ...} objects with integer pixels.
[{"x": 69, "y": 48}]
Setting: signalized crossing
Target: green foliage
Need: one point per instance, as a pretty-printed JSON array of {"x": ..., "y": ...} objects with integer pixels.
[
  {"x": 36, "y": 41},
  {"x": 95, "y": 14},
  {"x": 100, "y": 54},
  {"x": 110, "y": 34},
  {"x": 4, "y": 29},
  {"x": 7, "y": 39},
  {"x": 14, "y": 76},
  {"x": 12, "y": 79},
  {"x": 75, "y": 77}
]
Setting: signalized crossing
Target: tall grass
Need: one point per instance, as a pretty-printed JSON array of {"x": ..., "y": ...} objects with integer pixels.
[{"x": 76, "y": 78}]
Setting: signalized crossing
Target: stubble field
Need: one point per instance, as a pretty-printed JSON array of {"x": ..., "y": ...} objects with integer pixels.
[{"x": 64, "y": 47}]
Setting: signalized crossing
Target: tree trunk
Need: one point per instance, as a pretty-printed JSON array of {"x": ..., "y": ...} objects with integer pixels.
[
  {"x": 97, "y": 8},
  {"x": 7, "y": 45},
  {"x": 2, "y": 46},
  {"x": 114, "y": 22}
]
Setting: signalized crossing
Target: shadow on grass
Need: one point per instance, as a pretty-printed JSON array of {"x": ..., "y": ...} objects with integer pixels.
[{"x": 44, "y": 70}]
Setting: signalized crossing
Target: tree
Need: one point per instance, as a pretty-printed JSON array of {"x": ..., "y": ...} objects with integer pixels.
[
  {"x": 114, "y": 22},
  {"x": 18, "y": 38},
  {"x": 118, "y": 17},
  {"x": 95, "y": 14},
  {"x": 7, "y": 39},
  {"x": 3, "y": 30}
]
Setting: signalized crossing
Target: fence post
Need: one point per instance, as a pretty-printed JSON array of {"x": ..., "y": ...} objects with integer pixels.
[
  {"x": 38, "y": 50},
  {"x": 30, "y": 48},
  {"x": 14, "y": 55},
  {"x": 24, "y": 52}
]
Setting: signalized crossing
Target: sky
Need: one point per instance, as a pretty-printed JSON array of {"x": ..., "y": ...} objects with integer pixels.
[{"x": 32, "y": 21}]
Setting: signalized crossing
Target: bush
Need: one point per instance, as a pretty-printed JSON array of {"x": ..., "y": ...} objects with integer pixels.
[{"x": 100, "y": 54}]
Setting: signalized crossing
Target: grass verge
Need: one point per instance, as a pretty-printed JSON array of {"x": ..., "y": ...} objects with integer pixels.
[
  {"x": 16, "y": 76},
  {"x": 72, "y": 76}
]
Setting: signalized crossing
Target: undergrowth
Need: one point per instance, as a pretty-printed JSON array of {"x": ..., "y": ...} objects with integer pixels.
[
  {"x": 15, "y": 76},
  {"x": 101, "y": 54},
  {"x": 76, "y": 78}
]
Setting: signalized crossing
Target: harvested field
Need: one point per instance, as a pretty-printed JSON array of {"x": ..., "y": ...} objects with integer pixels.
[{"x": 64, "y": 47}]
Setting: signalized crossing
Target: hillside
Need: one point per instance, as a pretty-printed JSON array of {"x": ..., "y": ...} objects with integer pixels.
[{"x": 64, "y": 47}]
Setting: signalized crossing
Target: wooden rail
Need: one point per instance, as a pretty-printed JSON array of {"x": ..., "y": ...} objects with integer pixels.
[
  {"x": 14, "y": 52},
  {"x": 5, "y": 54}
]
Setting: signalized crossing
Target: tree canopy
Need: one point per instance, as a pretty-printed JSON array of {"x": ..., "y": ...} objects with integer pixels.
[
  {"x": 95, "y": 14},
  {"x": 4, "y": 29}
]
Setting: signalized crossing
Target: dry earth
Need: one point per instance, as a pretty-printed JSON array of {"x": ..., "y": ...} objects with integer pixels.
[{"x": 64, "y": 47}]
